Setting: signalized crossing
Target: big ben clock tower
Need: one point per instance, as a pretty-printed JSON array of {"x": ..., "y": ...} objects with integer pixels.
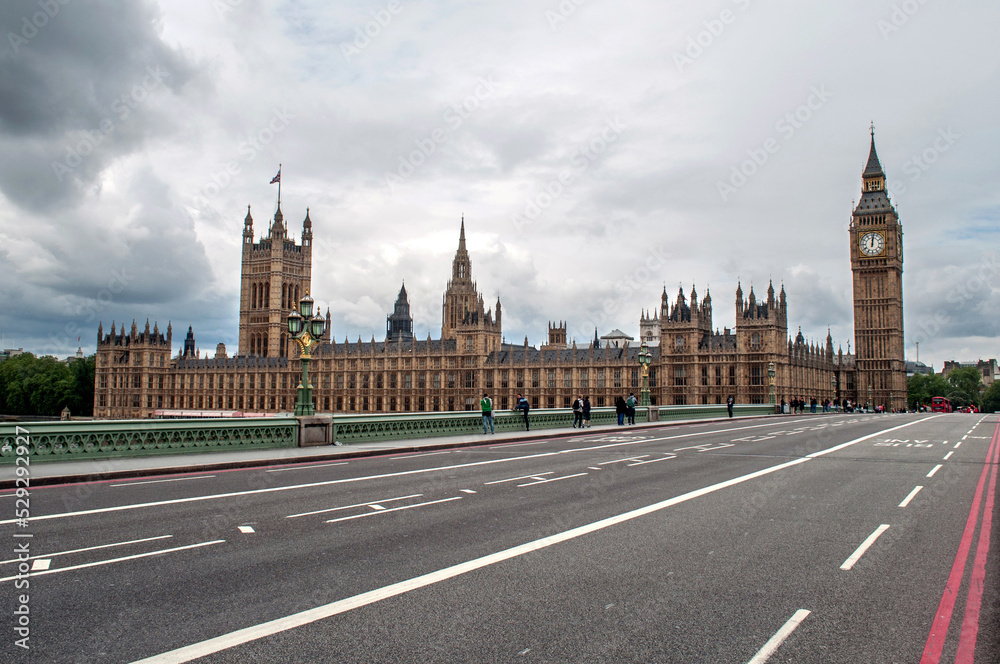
[{"x": 877, "y": 265}]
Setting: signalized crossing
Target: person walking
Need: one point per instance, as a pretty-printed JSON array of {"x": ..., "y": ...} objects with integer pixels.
[
  {"x": 620, "y": 409},
  {"x": 578, "y": 413},
  {"x": 487, "y": 405},
  {"x": 586, "y": 412},
  {"x": 524, "y": 407},
  {"x": 729, "y": 404},
  {"x": 630, "y": 405}
]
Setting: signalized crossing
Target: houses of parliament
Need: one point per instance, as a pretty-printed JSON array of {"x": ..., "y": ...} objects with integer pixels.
[{"x": 693, "y": 362}]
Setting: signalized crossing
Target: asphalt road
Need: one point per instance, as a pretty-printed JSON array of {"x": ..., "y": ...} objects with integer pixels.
[{"x": 799, "y": 539}]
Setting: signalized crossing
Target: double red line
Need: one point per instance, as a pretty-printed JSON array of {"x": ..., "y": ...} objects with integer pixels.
[{"x": 970, "y": 623}]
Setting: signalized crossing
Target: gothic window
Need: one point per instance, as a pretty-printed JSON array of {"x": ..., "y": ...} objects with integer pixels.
[
  {"x": 679, "y": 342},
  {"x": 552, "y": 378},
  {"x": 253, "y": 296},
  {"x": 469, "y": 379},
  {"x": 267, "y": 296},
  {"x": 755, "y": 341},
  {"x": 618, "y": 377},
  {"x": 680, "y": 377}
]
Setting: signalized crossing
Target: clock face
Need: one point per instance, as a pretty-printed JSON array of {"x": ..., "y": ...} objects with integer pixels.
[{"x": 872, "y": 244}]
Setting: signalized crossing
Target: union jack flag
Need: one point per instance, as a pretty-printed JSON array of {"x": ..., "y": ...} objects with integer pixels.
[{"x": 276, "y": 178}]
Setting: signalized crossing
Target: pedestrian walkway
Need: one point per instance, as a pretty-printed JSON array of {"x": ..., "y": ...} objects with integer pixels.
[{"x": 90, "y": 470}]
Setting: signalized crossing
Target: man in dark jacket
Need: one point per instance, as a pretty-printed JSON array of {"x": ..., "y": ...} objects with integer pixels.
[
  {"x": 620, "y": 410},
  {"x": 729, "y": 404},
  {"x": 523, "y": 406},
  {"x": 586, "y": 412},
  {"x": 578, "y": 412}
]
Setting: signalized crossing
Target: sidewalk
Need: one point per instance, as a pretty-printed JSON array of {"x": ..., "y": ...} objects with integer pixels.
[{"x": 46, "y": 473}]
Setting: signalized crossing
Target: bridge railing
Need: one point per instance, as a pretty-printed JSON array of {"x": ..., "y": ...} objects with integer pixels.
[{"x": 66, "y": 441}]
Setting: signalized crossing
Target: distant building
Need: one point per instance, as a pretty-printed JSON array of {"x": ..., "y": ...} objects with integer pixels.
[
  {"x": 616, "y": 339},
  {"x": 10, "y": 352},
  {"x": 918, "y": 368},
  {"x": 988, "y": 369}
]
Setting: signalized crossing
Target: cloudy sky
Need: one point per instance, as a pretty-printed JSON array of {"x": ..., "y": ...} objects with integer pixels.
[{"x": 600, "y": 151}]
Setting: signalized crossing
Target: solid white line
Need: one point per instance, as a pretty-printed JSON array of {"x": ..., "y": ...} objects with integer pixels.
[
  {"x": 639, "y": 463},
  {"x": 906, "y": 501},
  {"x": 179, "y": 479},
  {"x": 316, "y": 465},
  {"x": 118, "y": 560},
  {"x": 635, "y": 458},
  {"x": 414, "y": 456},
  {"x": 537, "y": 442},
  {"x": 347, "y": 507},
  {"x": 247, "y": 634},
  {"x": 522, "y": 477},
  {"x": 551, "y": 479},
  {"x": 89, "y": 548},
  {"x": 394, "y": 509},
  {"x": 775, "y": 642},
  {"x": 934, "y": 470},
  {"x": 860, "y": 551},
  {"x": 948, "y": 455}
]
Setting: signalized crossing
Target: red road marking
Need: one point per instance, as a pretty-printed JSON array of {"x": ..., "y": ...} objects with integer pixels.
[
  {"x": 942, "y": 617},
  {"x": 970, "y": 625}
]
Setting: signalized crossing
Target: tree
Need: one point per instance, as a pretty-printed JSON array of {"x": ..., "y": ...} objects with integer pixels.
[
  {"x": 921, "y": 388},
  {"x": 967, "y": 382},
  {"x": 32, "y": 385},
  {"x": 991, "y": 398}
]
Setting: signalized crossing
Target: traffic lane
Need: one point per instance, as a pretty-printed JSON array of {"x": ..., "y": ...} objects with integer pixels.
[
  {"x": 294, "y": 574},
  {"x": 729, "y": 578},
  {"x": 97, "y": 495}
]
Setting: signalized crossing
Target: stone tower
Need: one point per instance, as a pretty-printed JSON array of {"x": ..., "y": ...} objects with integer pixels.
[
  {"x": 877, "y": 265},
  {"x": 276, "y": 272},
  {"x": 464, "y": 316},
  {"x": 399, "y": 325}
]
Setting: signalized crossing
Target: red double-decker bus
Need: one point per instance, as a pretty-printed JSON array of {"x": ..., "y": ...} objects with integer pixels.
[{"x": 940, "y": 405}]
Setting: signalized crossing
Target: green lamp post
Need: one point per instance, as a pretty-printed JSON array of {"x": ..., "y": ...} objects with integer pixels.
[
  {"x": 306, "y": 330},
  {"x": 645, "y": 358},
  {"x": 770, "y": 379}
]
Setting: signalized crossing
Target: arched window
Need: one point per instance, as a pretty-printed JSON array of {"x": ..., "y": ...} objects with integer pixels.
[
  {"x": 263, "y": 346},
  {"x": 253, "y": 296},
  {"x": 267, "y": 295},
  {"x": 282, "y": 347},
  {"x": 284, "y": 294}
]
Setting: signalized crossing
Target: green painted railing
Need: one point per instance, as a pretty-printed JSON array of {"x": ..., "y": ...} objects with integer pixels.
[
  {"x": 65, "y": 441},
  {"x": 349, "y": 429}
]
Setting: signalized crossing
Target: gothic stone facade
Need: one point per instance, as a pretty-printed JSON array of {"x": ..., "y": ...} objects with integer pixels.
[{"x": 693, "y": 363}]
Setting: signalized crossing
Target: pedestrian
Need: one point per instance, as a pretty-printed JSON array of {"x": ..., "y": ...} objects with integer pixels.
[
  {"x": 578, "y": 413},
  {"x": 729, "y": 404},
  {"x": 631, "y": 403},
  {"x": 620, "y": 409},
  {"x": 784, "y": 406},
  {"x": 524, "y": 407},
  {"x": 586, "y": 412},
  {"x": 487, "y": 405}
]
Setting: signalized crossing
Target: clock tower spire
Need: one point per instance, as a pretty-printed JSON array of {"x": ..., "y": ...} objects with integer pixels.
[{"x": 877, "y": 265}]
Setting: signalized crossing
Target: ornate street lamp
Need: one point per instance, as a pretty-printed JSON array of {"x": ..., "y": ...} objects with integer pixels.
[
  {"x": 871, "y": 403},
  {"x": 770, "y": 379},
  {"x": 306, "y": 330},
  {"x": 836, "y": 392},
  {"x": 645, "y": 358}
]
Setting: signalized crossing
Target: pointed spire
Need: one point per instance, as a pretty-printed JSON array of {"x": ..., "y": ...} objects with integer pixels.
[
  {"x": 461, "y": 235},
  {"x": 873, "y": 168}
]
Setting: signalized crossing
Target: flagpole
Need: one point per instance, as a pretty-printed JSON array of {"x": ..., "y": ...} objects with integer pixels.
[{"x": 279, "y": 186}]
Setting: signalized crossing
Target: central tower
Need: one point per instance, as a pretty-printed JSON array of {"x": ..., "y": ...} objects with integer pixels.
[
  {"x": 464, "y": 316},
  {"x": 877, "y": 265}
]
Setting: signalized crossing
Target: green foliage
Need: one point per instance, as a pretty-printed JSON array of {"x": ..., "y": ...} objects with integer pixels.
[
  {"x": 32, "y": 385},
  {"x": 922, "y": 387},
  {"x": 966, "y": 383},
  {"x": 991, "y": 398}
]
